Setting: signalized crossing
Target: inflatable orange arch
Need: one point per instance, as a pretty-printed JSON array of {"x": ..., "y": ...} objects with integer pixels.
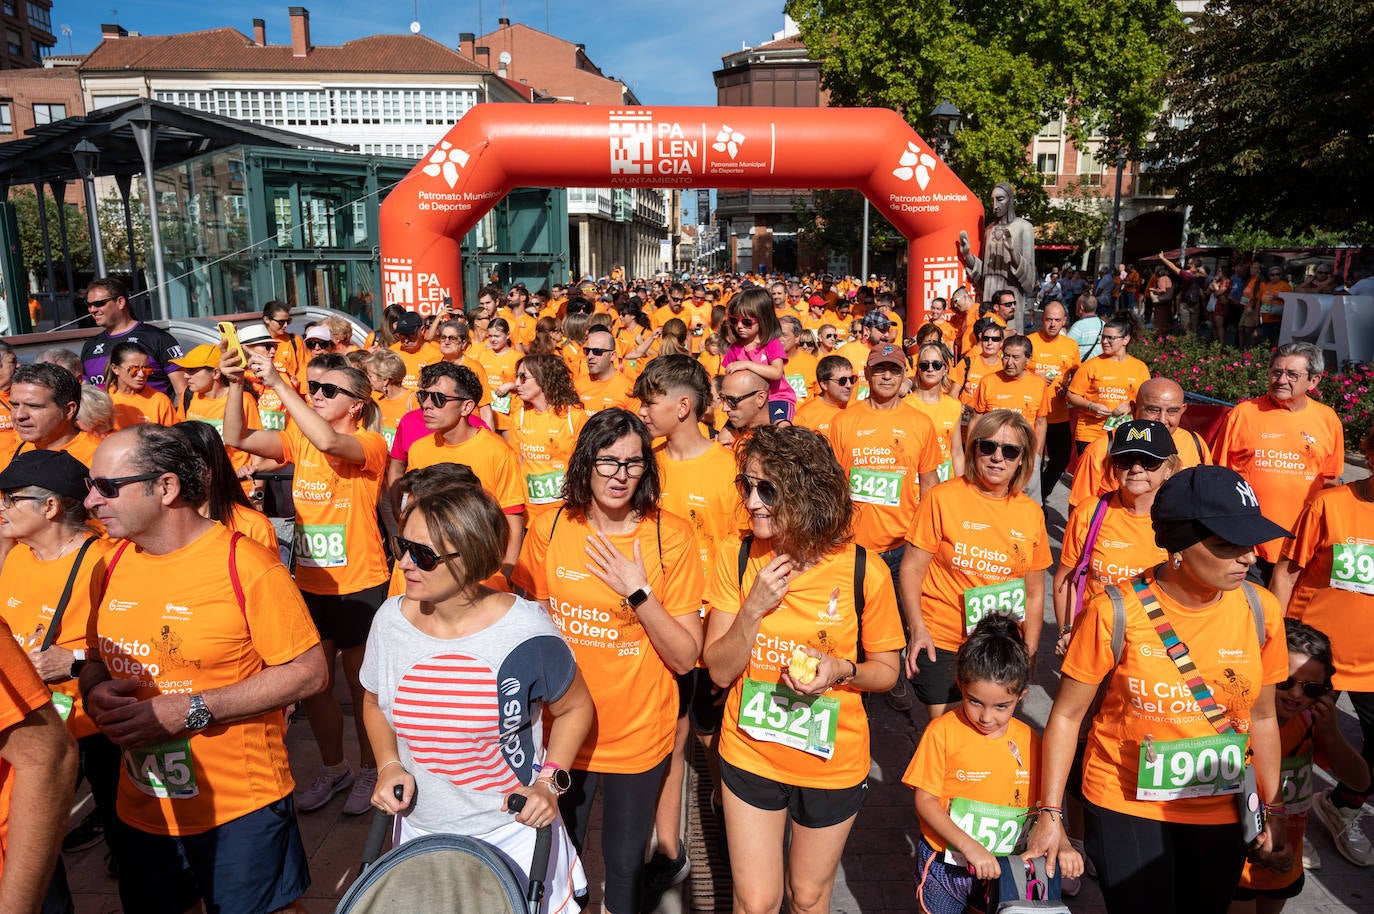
[{"x": 498, "y": 147}]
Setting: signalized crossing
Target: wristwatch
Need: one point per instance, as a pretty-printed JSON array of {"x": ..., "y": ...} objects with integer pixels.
[
  {"x": 199, "y": 716},
  {"x": 78, "y": 661},
  {"x": 558, "y": 780},
  {"x": 639, "y": 597}
]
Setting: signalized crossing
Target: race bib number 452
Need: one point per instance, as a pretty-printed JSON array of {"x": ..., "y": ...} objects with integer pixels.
[
  {"x": 997, "y": 828},
  {"x": 771, "y": 712}
]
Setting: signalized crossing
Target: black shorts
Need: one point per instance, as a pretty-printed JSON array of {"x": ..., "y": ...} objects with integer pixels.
[
  {"x": 700, "y": 699},
  {"x": 934, "y": 683},
  {"x": 809, "y": 807},
  {"x": 1292, "y": 890},
  {"x": 345, "y": 618}
]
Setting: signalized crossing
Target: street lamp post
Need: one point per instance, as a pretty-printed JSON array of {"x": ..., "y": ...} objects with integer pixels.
[
  {"x": 946, "y": 117},
  {"x": 87, "y": 156}
]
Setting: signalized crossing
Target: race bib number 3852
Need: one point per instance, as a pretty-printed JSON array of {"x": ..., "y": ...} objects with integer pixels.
[
  {"x": 771, "y": 712},
  {"x": 1007, "y": 598}
]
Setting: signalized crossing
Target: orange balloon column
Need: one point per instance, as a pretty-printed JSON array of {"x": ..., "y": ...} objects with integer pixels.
[{"x": 498, "y": 147}]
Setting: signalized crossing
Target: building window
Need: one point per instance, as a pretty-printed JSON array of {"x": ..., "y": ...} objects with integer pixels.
[
  {"x": 13, "y": 43},
  {"x": 1089, "y": 168},
  {"x": 40, "y": 17},
  {"x": 6, "y": 121},
  {"x": 48, "y": 113},
  {"x": 1047, "y": 163},
  {"x": 9, "y": 8}
]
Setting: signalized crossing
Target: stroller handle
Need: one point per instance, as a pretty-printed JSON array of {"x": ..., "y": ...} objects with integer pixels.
[
  {"x": 376, "y": 835},
  {"x": 539, "y": 865}
]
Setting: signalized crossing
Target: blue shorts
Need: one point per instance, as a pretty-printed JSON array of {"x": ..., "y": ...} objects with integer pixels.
[
  {"x": 781, "y": 410},
  {"x": 253, "y": 864}
]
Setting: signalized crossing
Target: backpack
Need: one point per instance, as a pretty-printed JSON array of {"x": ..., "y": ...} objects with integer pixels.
[
  {"x": 1021, "y": 893},
  {"x": 1119, "y": 616},
  {"x": 746, "y": 543}
]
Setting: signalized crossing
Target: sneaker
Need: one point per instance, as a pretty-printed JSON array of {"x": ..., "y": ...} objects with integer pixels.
[
  {"x": 87, "y": 833},
  {"x": 360, "y": 797},
  {"x": 1344, "y": 826},
  {"x": 323, "y": 789},
  {"x": 1311, "y": 860},
  {"x": 899, "y": 696},
  {"x": 660, "y": 874}
]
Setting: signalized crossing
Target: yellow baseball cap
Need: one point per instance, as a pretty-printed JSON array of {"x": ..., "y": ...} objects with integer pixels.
[{"x": 203, "y": 356}]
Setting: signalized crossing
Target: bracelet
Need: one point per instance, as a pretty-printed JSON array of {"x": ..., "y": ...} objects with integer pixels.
[
  {"x": 392, "y": 762},
  {"x": 1275, "y": 809},
  {"x": 1065, "y": 629},
  {"x": 1052, "y": 809}
]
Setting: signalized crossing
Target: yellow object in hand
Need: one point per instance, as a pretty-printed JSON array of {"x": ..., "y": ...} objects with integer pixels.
[{"x": 802, "y": 667}]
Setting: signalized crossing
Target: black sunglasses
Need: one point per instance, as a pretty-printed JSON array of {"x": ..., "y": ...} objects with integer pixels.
[
  {"x": 109, "y": 486},
  {"x": 930, "y": 366},
  {"x": 1310, "y": 689},
  {"x": 987, "y": 447},
  {"x": 734, "y": 402},
  {"x": 330, "y": 391},
  {"x": 440, "y": 400},
  {"x": 596, "y": 350},
  {"x": 843, "y": 382},
  {"x": 318, "y": 344},
  {"x": 747, "y": 485},
  {"x": 1126, "y": 461},
  {"x": 423, "y": 557},
  {"x": 991, "y": 338}
]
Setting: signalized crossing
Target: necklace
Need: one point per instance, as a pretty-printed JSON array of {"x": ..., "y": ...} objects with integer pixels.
[{"x": 62, "y": 550}]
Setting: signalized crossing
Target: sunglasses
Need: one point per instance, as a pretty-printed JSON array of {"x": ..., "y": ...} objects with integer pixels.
[
  {"x": 930, "y": 366},
  {"x": 450, "y": 338},
  {"x": 734, "y": 402},
  {"x": 440, "y": 400},
  {"x": 609, "y": 467},
  {"x": 279, "y": 321},
  {"x": 1310, "y": 689},
  {"x": 1126, "y": 461},
  {"x": 747, "y": 485},
  {"x": 144, "y": 370},
  {"x": 9, "y": 501},
  {"x": 92, "y": 304},
  {"x": 109, "y": 486},
  {"x": 987, "y": 447},
  {"x": 743, "y": 322},
  {"x": 421, "y": 556},
  {"x": 596, "y": 350},
  {"x": 330, "y": 391},
  {"x": 845, "y": 381},
  {"x": 318, "y": 344},
  {"x": 991, "y": 337}
]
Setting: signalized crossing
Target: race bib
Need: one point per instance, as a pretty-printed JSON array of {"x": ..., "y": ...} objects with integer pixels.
[
  {"x": 273, "y": 420},
  {"x": 997, "y": 828},
  {"x": 773, "y": 713},
  {"x": 163, "y": 770},
  {"x": 390, "y": 435},
  {"x": 1177, "y": 769},
  {"x": 1295, "y": 777},
  {"x": 1007, "y": 598},
  {"x": 63, "y": 703},
  {"x": 216, "y": 424},
  {"x": 798, "y": 385},
  {"x": 322, "y": 545},
  {"x": 544, "y": 488},
  {"x": 1111, "y": 422},
  {"x": 945, "y": 471},
  {"x": 876, "y": 487},
  {"x": 1352, "y": 567},
  {"x": 501, "y": 405},
  {"x": 861, "y": 392}
]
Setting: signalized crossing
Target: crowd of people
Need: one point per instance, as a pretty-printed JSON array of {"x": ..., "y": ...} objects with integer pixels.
[{"x": 552, "y": 538}]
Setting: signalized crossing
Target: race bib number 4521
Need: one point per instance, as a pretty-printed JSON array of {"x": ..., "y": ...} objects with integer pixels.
[{"x": 771, "y": 712}]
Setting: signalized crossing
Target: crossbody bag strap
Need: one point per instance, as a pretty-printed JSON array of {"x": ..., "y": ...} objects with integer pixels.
[
  {"x": 66, "y": 597},
  {"x": 1080, "y": 571},
  {"x": 860, "y": 569},
  {"x": 1178, "y": 653}
]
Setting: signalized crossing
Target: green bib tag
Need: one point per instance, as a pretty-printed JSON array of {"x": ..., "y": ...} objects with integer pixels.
[
  {"x": 945, "y": 471},
  {"x": 1352, "y": 567},
  {"x": 1295, "y": 775},
  {"x": 273, "y": 420},
  {"x": 1207, "y": 766},
  {"x": 1111, "y": 422},
  {"x": 63, "y": 703},
  {"x": 876, "y": 487},
  {"x": 798, "y": 385},
  {"x": 861, "y": 392},
  {"x": 322, "y": 545},
  {"x": 390, "y": 435},
  {"x": 501, "y": 405},
  {"x": 216, "y": 424},
  {"x": 997, "y": 828},
  {"x": 545, "y": 488},
  {"x": 773, "y": 713},
  {"x": 163, "y": 770},
  {"x": 1007, "y": 598}
]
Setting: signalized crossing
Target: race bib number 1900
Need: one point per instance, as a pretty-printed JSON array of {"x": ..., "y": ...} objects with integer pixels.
[
  {"x": 163, "y": 770},
  {"x": 1352, "y": 567},
  {"x": 772, "y": 712},
  {"x": 1180, "y": 768},
  {"x": 998, "y": 828},
  {"x": 1007, "y": 598}
]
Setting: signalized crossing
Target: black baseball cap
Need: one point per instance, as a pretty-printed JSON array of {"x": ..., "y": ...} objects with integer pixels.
[
  {"x": 1143, "y": 436},
  {"x": 1217, "y": 499},
  {"x": 56, "y": 471},
  {"x": 409, "y": 323}
]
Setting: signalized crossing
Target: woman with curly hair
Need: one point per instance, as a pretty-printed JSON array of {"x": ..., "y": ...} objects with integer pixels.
[
  {"x": 544, "y": 427},
  {"x": 802, "y": 621},
  {"x": 623, "y": 582}
]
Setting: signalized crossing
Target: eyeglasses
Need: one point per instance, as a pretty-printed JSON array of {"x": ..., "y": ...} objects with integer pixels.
[
  {"x": 144, "y": 370},
  {"x": 109, "y": 486},
  {"x": 521, "y": 376},
  {"x": 991, "y": 337},
  {"x": 1111, "y": 339},
  {"x": 737, "y": 321},
  {"x": 270, "y": 346},
  {"x": 422, "y": 556},
  {"x": 1283, "y": 374},
  {"x": 91, "y": 305},
  {"x": 747, "y": 485},
  {"x": 330, "y": 391},
  {"x": 450, "y": 338},
  {"x": 9, "y": 501},
  {"x": 1310, "y": 689},
  {"x": 439, "y": 400},
  {"x": 987, "y": 447},
  {"x": 318, "y": 344},
  {"x": 734, "y": 402},
  {"x": 930, "y": 366},
  {"x": 845, "y": 381},
  {"x": 609, "y": 467},
  {"x": 1126, "y": 461},
  {"x": 596, "y": 350}
]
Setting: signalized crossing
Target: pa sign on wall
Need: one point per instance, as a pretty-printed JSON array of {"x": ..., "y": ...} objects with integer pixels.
[{"x": 1342, "y": 325}]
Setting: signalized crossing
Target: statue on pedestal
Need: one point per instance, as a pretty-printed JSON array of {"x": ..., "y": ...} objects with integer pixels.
[{"x": 1008, "y": 261}]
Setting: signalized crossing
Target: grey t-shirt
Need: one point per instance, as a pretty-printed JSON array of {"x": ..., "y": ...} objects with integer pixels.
[{"x": 467, "y": 711}]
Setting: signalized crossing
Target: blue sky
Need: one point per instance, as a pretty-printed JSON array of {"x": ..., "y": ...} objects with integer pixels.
[{"x": 664, "y": 52}]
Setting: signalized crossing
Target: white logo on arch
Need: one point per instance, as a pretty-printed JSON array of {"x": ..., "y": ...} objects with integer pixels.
[
  {"x": 728, "y": 141},
  {"x": 446, "y": 160},
  {"x": 915, "y": 164}
]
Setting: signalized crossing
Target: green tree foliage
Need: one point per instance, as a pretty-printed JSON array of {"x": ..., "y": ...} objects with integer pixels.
[
  {"x": 31, "y": 235},
  {"x": 831, "y": 221},
  {"x": 1079, "y": 217},
  {"x": 1007, "y": 67},
  {"x": 1270, "y": 117}
]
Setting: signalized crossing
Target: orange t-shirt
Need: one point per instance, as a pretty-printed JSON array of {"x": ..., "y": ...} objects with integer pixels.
[
  {"x": 857, "y": 352},
  {"x": 818, "y": 612},
  {"x": 711, "y": 362},
  {"x": 9, "y": 438},
  {"x": 82, "y": 447},
  {"x": 1286, "y": 456},
  {"x": 24, "y": 693},
  {"x": 1147, "y": 696},
  {"x": 1028, "y": 395},
  {"x": 1337, "y": 596},
  {"x": 338, "y": 540},
  {"x": 817, "y": 414},
  {"x": 272, "y": 411},
  {"x": 1299, "y": 754},
  {"x": 1055, "y": 360},
  {"x": 499, "y": 368},
  {"x": 883, "y": 452},
  {"x": 211, "y": 412},
  {"x": 614, "y": 391},
  {"x": 392, "y": 411},
  {"x": 427, "y": 354},
  {"x": 544, "y": 442},
  {"x": 976, "y": 541},
  {"x": 255, "y": 525},
  {"x": 945, "y": 415},
  {"x": 954, "y": 760},
  {"x": 32, "y": 588},
  {"x": 634, "y": 693},
  {"x": 486, "y": 454},
  {"x": 147, "y": 405},
  {"x": 970, "y": 371},
  {"x": 800, "y": 374},
  {"x": 1106, "y": 381},
  {"x": 173, "y": 623},
  {"x": 701, "y": 490},
  {"x": 1092, "y": 475},
  {"x": 1125, "y": 545}
]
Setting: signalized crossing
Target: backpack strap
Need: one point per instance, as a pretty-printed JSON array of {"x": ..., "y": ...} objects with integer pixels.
[
  {"x": 234, "y": 573},
  {"x": 746, "y": 543},
  {"x": 1197, "y": 443},
  {"x": 1118, "y": 620},
  {"x": 860, "y": 568},
  {"x": 1256, "y": 610},
  {"x": 66, "y": 597},
  {"x": 1080, "y": 571}
]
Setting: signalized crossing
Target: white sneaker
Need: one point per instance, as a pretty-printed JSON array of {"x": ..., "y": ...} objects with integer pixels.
[
  {"x": 360, "y": 797},
  {"x": 323, "y": 789},
  {"x": 1344, "y": 826}
]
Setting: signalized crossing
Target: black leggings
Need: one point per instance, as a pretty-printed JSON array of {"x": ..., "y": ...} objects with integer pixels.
[
  {"x": 1058, "y": 449},
  {"x": 1149, "y": 867},
  {"x": 627, "y": 821}
]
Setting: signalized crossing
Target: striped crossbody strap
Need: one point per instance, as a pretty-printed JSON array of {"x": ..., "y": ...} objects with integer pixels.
[{"x": 1178, "y": 653}]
